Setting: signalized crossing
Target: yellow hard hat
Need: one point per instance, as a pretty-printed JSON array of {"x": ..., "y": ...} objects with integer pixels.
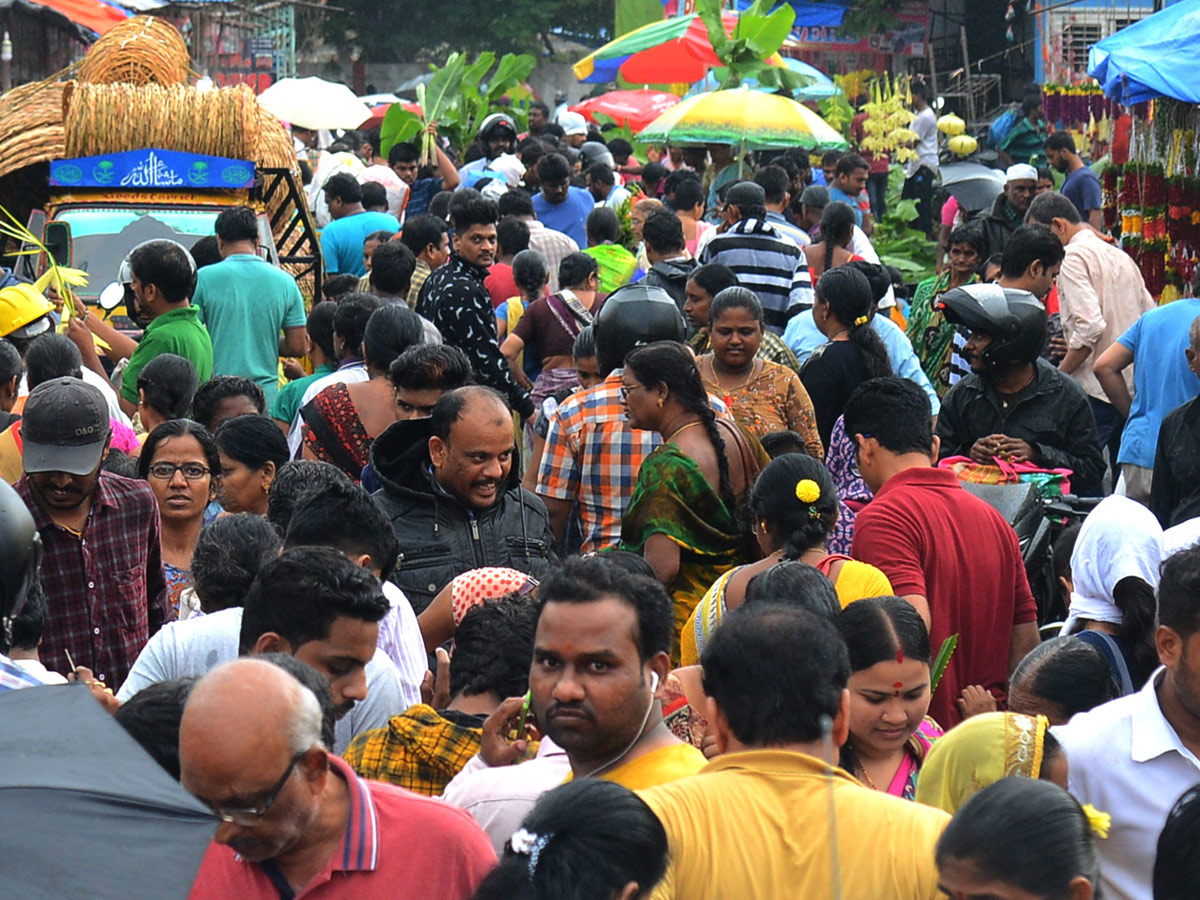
[{"x": 20, "y": 306}]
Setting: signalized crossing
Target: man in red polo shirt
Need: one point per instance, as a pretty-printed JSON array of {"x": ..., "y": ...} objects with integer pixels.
[
  {"x": 296, "y": 821},
  {"x": 944, "y": 550}
]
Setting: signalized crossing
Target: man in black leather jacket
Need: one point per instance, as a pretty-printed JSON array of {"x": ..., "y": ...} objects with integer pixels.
[
  {"x": 1014, "y": 405},
  {"x": 452, "y": 492}
]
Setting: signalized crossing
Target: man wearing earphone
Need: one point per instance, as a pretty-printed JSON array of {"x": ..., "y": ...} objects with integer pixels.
[{"x": 601, "y": 651}]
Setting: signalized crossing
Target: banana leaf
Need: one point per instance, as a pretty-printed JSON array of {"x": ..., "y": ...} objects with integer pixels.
[
  {"x": 513, "y": 70},
  {"x": 399, "y": 126},
  {"x": 439, "y": 96},
  {"x": 942, "y": 661},
  {"x": 474, "y": 73}
]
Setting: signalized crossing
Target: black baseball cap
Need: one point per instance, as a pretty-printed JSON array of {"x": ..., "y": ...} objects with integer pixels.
[
  {"x": 65, "y": 427},
  {"x": 746, "y": 193}
]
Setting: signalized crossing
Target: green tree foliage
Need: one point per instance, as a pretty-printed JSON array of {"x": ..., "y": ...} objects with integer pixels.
[
  {"x": 418, "y": 31},
  {"x": 866, "y": 16}
]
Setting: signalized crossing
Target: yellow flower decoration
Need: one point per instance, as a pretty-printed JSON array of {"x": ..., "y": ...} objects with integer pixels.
[
  {"x": 1099, "y": 822},
  {"x": 808, "y": 491}
]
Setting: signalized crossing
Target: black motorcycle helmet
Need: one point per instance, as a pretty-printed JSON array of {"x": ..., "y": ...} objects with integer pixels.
[
  {"x": 632, "y": 316},
  {"x": 20, "y": 554},
  {"x": 498, "y": 125},
  {"x": 1014, "y": 319}
]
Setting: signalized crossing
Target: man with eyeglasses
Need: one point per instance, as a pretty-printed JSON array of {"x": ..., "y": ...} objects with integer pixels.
[
  {"x": 102, "y": 569},
  {"x": 295, "y": 819}
]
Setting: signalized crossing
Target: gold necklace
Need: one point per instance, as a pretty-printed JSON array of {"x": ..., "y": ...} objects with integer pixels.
[
  {"x": 681, "y": 428},
  {"x": 862, "y": 771},
  {"x": 712, "y": 365}
]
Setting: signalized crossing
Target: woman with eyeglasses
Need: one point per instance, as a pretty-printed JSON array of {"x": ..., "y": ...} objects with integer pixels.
[{"x": 180, "y": 461}]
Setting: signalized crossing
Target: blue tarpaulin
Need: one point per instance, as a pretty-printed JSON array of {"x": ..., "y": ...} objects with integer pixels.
[
  {"x": 811, "y": 15},
  {"x": 1155, "y": 57}
]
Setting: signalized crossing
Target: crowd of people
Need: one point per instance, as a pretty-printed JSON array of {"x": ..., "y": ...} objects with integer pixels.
[{"x": 600, "y": 531}]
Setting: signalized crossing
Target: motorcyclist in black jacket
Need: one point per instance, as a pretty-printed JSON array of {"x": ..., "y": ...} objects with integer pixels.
[{"x": 1014, "y": 405}]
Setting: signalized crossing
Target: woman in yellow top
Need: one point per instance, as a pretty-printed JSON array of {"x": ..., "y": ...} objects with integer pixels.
[
  {"x": 794, "y": 504},
  {"x": 982, "y": 750},
  {"x": 761, "y": 395}
]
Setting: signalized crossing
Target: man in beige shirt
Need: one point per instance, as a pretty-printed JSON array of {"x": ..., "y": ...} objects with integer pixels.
[{"x": 1101, "y": 294}]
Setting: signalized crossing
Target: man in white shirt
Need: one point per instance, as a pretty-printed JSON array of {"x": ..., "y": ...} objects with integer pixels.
[
  {"x": 1135, "y": 756},
  {"x": 554, "y": 245},
  {"x": 602, "y": 185},
  {"x": 499, "y": 797},
  {"x": 284, "y": 610},
  {"x": 1101, "y": 295},
  {"x": 920, "y": 172}
]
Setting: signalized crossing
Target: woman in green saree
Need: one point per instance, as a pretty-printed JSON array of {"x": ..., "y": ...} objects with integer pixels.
[
  {"x": 684, "y": 516},
  {"x": 931, "y": 335}
]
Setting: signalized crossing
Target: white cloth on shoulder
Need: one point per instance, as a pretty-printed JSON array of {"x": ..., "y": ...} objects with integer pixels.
[
  {"x": 1119, "y": 539},
  {"x": 1180, "y": 537}
]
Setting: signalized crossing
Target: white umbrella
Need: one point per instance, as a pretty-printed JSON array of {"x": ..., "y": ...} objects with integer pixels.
[{"x": 314, "y": 103}]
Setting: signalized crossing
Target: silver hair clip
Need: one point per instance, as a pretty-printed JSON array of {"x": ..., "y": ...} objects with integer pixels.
[{"x": 526, "y": 843}]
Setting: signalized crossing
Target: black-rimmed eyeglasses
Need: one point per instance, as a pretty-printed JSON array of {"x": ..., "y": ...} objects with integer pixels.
[{"x": 253, "y": 816}]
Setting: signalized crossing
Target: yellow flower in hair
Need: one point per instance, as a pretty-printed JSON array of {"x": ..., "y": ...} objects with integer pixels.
[
  {"x": 808, "y": 491},
  {"x": 1099, "y": 822}
]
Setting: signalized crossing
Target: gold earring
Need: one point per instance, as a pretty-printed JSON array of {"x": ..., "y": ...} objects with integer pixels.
[
  {"x": 266, "y": 487},
  {"x": 660, "y": 402}
]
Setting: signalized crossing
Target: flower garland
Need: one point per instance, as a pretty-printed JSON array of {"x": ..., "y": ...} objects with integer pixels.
[{"x": 1155, "y": 198}]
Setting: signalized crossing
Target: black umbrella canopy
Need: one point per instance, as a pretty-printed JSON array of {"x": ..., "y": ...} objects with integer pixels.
[
  {"x": 975, "y": 187},
  {"x": 84, "y": 811}
]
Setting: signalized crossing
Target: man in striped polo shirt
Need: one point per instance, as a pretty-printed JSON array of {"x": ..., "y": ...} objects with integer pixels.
[{"x": 765, "y": 261}]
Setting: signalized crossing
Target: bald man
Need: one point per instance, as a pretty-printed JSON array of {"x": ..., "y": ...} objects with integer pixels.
[
  {"x": 296, "y": 820},
  {"x": 454, "y": 496}
]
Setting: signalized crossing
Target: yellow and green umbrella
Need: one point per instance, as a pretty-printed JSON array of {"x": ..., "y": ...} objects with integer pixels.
[{"x": 752, "y": 120}]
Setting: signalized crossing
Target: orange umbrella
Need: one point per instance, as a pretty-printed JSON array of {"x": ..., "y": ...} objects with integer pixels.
[
  {"x": 675, "y": 50},
  {"x": 93, "y": 14}
]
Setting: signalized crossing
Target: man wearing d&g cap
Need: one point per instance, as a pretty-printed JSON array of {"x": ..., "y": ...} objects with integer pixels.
[{"x": 102, "y": 566}]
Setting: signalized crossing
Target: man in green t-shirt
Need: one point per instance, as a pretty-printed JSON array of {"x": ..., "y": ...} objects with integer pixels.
[
  {"x": 1026, "y": 139},
  {"x": 252, "y": 309},
  {"x": 159, "y": 277}
]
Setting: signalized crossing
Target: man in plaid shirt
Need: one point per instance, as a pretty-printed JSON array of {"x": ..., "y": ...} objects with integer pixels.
[
  {"x": 102, "y": 567},
  {"x": 592, "y": 456}
]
